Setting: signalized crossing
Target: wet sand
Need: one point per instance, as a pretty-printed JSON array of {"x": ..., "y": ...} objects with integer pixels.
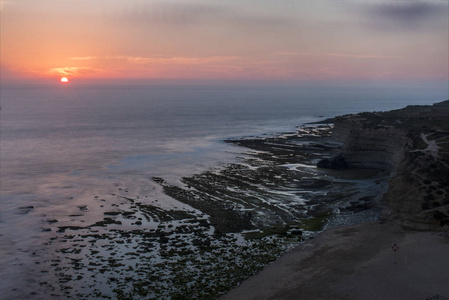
[{"x": 356, "y": 262}]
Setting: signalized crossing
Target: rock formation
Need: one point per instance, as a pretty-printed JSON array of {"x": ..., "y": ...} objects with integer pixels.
[
  {"x": 412, "y": 146},
  {"x": 336, "y": 163}
]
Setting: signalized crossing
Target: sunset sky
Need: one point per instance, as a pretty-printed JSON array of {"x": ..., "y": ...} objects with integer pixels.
[{"x": 289, "y": 40}]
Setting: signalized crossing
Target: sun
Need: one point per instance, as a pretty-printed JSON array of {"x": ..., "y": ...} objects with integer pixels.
[{"x": 64, "y": 80}]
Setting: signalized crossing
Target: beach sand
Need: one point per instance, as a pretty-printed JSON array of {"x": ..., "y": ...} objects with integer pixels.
[{"x": 356, "y": 262}]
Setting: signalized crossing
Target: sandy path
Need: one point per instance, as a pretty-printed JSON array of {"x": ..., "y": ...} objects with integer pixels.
[{"x": 356, "y": 262}]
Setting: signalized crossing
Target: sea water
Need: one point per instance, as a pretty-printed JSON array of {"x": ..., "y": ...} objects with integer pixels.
[{"x": 61, "y": 145}]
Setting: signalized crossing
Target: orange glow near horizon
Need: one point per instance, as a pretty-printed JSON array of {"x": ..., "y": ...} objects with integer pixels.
[
  {"x": 64, "y": 80},
  {"x": 333, "y": 41}
]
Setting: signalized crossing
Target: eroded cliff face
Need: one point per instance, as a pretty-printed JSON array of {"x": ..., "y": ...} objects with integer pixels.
[
  {"x": 370, "y": 146},
  {"x": 412, "y": 146}
]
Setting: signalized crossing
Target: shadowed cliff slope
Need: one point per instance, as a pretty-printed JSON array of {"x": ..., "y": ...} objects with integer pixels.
[{"x": 412, "y": 144}]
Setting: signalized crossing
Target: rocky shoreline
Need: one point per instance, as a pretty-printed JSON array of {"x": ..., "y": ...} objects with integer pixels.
[
  {"x": 227, "y": 223},
  {"x": 276, "y": 186},
  {"x": 275, "y": 195},
  {"x": 411, "y": 147}
]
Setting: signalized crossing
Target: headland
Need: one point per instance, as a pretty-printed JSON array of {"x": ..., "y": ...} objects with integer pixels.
[{"x": 411, "y": 147}]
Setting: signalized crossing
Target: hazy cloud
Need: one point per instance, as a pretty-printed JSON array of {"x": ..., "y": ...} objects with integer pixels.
[
  {"x": 406, "y": 11},
  {"x": 71, "y": 71},
  {"x": 84, "y": 58},
  {"x": 366, "y": 56},
  {"x": 402, "y": 15},
  {"x": 157, "y": 59},
  {"x": 4, "y": 3},
  {"x": 180, "y": 60},
  {"x": 192, "y": 14}
]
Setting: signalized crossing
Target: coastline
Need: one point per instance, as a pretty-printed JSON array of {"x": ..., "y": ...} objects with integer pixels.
[
  {"x": 203, "y": 234},
  {"x": 356, "y": 262}
]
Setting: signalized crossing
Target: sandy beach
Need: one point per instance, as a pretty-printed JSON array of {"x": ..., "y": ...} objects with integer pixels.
[{"x": 356, "y": 262}]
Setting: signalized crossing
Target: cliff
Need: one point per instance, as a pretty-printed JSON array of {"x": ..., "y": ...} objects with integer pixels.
[{"x": 412, "y": 146}]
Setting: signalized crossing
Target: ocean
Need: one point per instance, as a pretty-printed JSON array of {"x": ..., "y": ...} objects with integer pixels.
[{"x": 62, "y": 146}]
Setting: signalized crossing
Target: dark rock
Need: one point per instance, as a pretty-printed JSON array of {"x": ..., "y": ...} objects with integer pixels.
[
  {"x": 127, "y": 213},
  {"x": 63, "y": 228},
  {"x": 25, "y": 209},
  {"x": 296, "y": 232},
  {"x": 82, "y": 207},
  {"x": 112, "y": 213},
  {"x": 336, "y": 163}
]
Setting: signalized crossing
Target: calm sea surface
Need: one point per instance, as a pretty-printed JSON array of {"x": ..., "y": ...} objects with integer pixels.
[{"x": 63, "y": 144}]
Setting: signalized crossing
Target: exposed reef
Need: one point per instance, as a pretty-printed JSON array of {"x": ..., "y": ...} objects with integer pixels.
[
  {"x": 276, "y": 188},
  {"x": 200, "y": 235},
  {"x": 412, "y": 145}
]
